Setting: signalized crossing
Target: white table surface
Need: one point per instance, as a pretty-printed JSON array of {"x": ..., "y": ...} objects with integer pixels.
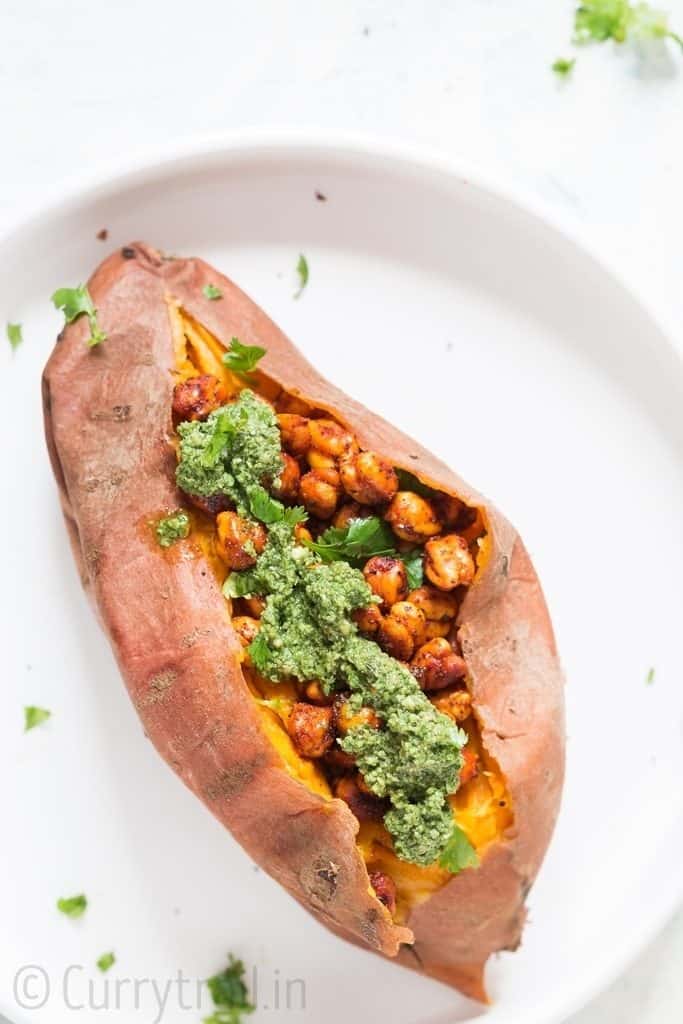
[{"x": 84, "y": 83}]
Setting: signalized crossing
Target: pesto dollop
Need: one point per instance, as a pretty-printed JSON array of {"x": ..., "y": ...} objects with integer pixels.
[
  {"x": 306, "y": 633},
  {"x": 231, "y": 452},
  {"x": 172, "y": 528}
]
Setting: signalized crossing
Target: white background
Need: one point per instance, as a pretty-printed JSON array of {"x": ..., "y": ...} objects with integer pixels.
[{"x": 85, "y": 84}]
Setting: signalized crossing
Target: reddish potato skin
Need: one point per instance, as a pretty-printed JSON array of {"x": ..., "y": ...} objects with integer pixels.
[{"x": 109, "y": 431}]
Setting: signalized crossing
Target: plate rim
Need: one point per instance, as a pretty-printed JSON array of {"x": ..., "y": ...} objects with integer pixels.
[{"x": 147, "y": 164}]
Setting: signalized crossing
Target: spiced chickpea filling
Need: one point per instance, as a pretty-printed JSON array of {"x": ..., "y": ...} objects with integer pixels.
[{"x": 344, "y": 575}]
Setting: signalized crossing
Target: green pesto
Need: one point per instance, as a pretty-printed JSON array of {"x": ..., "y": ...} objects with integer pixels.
[
  {"x": 307, "y": 633},
  {"x": 172, "y": 528},
  {"x": 231, "y": 452}
]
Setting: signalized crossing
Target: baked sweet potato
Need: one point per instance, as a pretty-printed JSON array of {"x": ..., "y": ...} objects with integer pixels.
[{"x": 285, "y": 761}]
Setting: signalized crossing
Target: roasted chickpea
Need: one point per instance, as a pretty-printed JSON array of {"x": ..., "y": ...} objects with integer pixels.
[
  {"x": 436, "y": 665},
  {"x": 386, "y": 577},
  {"x": 195, "y": 398},
  {"x": 246, "y": 628},
  {"x": 369, "y": 478},
  {"x": 339, "y": 760},
  {"x": 368, "y": 619},
  {"x": 295, "y": 434},
  {"x": 319, "y": 490},
  {"x": 396, "y": 638},
  {"x": 457, "y": 705},
  {"x": 287, "y": 486},
  {"x": 385, "y": 889},
  {"x": 292, "y": 404},
  {"x": 347, "y": 512},
  {"x": 315, "y": 693},
  {"x": 470, "y": 765},
  {"x": 346, "y": 718},
  {"x": 412, "y": 618},
  {"x": 437, "y": 606},
  {"x": 302, "y": 533},
  {"x": 448, "y": 562},
  {"x": 212, "y": 505},
  {"x": 412, "y": 517},
  {"x": 365, "y": 806},
  {"x": 238, "y": 541},
  {"x": 448, "y": 509},
  {"x": 255, "y": 605},
  {"x": 310, "y": 729},
  {"x": 330, "y": 438},
  {"x": 319, "y": 460}
]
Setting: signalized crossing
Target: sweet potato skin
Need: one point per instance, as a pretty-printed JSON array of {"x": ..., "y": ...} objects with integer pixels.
[{"x": 109, "y": 433}]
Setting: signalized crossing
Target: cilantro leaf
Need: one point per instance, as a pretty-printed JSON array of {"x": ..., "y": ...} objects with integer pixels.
[
  {"x": 225, "y": 429},
  {"x": 264, "y": 508},
  {"x": 34, "y": 716},
  {"x": 358, "y": 541},
  {"x": 363, "y": 539},
  {"x": 302, "y": 271},
  {"x": 14, "y": 336},
  {"x": 73, "y": 906},
  {"x": 269, "y": 510},
  {"x": 458, "y": 853},
  {"x": 106, "y": 961},
  {"x": 413, "y": 561},
  {"x": 212, "y": 292},
  {"x": 75, "y": 302},
  {"x": 600, "y": 20},
  {"x": 563, "y": 66},
  {"x": 229, "y": 994},
  {"x": 242, "y": 358}
]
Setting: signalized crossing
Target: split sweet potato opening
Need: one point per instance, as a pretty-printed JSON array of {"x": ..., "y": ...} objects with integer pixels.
[{"x": 481, "y": 806}]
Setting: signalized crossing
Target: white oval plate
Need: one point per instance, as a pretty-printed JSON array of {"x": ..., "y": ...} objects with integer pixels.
[{"x": 476, "y": 324}]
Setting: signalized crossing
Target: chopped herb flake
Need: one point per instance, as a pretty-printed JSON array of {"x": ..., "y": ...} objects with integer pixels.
[
  {"x": 73, "y": 906},
  {"x": 14, "y": 336},
  {"x": 34, "y": 716},
  {"x": 302, "y": 271},
  {"x": 212, "y": 292},
  {"x": 75, "y": 302}
]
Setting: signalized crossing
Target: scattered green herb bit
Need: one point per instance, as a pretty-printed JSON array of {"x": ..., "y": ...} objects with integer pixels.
[
  {"x": 408, "y": 482},
  {"x": 75, "y": 302},
  {"x": 14, "y": 336},
  {"x": 229, "y": 994},
  {"x": 600, "y": 20},
  {"x": 242, "y": 358},
  {"x": 563, "y": 66},
  {"x": 73, "y": 906},
  {"x": 302, "y": 271},
  {"x": 106, "y": 961},
  {"x": 212, "y": 292},
  {"x": 650, "y": 677},
  {"x": 34, "y": 716},
  {"x": 458, "y": 853},
  {"x": 172, "y": 528}
]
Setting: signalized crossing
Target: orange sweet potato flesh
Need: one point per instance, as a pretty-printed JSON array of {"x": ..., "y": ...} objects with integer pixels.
[{"x": 110, "y": 437}]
